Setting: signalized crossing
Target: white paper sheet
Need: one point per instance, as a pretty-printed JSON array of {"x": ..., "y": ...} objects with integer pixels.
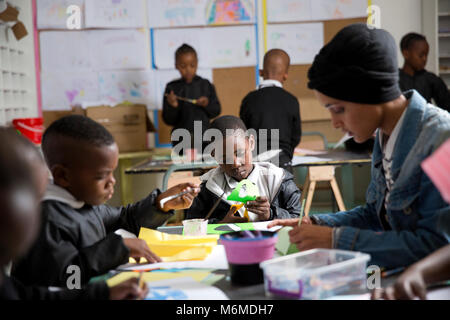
[
  {"x": 183, "y": 289},
  {"x": 216, "y": 260},
  {"x": 119, "y": 49},
  {"x": 302, "y": 41},
  {"x": 61, "y": 90},
  {"x": 51, "y": 14},
  {"x": 133, "y": 86},
  {"x": 308, "y": 10},
  {"x": 114, "y": 13},
  {"x": 307, "y": 159},
  {"x": 176, "y": 13}
]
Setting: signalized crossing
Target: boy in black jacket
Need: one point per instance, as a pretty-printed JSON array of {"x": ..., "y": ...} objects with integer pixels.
[
  {"x": 273, "y": 108},
  {"x": 279, "y": 195},
  {"x": 202, "y": 104},
  {"x": 23, "y": 178},
  {"x": 78, "y": 229}
]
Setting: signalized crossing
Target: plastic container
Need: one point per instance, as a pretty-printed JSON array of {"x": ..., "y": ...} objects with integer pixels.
[
  {"x": 195, "y": 227},
  {"x": 31, "y": 128},
  {"x": 245, "y": 250},
  {"x": 315, "y": 274}
]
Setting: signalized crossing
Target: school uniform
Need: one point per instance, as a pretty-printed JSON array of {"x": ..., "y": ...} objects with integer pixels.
[
  {"x": 429, "y": 85},
  {"x": 75, "y": 233},
  {"x": 401, "y": 221},
  {"x": 271, "y": 107},
  {"x": 272, "y": 182},
  {"x": 11, "y": 289},
  {"x": 183, "y": 116}
]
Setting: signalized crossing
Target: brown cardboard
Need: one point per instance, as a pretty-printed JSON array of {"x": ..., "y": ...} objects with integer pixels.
[
  {"x": 9, "y": 14},
  {"x": 19, "y": 30},
  {"x": 128, "y": 124}
]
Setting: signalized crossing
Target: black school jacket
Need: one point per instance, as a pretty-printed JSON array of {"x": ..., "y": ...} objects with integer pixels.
[
  {"x": 285, "y": 204},
  {"x": 83, "y": 237},
  {"x": 11, "y": 289}
]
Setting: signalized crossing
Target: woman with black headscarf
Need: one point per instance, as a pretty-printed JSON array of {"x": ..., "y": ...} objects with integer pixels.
[{"x": 355, "y": 77}]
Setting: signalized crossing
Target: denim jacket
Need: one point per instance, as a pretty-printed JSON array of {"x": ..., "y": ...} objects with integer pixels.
[{"x": 415, "y": 206}]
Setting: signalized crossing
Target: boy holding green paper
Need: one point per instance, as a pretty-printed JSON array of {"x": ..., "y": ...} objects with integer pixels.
[{"x": 278, "y": 194}]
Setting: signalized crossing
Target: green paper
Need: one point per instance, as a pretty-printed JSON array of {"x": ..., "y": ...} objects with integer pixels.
[
  {"x": 244, "y": 191},
  {"x": 283, "y": 245}
]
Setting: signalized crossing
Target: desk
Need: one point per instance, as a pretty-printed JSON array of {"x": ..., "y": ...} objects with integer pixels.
[
  {"x": 321, "y": 167},
  {"x": 156, "y": 164}
]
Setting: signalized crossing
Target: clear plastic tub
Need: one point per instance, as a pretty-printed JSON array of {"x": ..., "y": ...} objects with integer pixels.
[{"x": 315, "y": 274}]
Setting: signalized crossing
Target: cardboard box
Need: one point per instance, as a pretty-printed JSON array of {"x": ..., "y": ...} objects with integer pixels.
[{"x": 128, "y": 124}]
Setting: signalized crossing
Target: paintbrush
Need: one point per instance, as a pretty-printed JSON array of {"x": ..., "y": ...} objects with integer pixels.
[
  {"x": 214, "y": 207},
  {"x": 164, "y": 200},
  {"x": 193, "y": 101},
  {"x": 301, "y": 212}
]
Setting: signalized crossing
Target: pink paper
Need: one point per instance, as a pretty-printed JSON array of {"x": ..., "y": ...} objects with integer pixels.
[{"x": 437, "y": 167}]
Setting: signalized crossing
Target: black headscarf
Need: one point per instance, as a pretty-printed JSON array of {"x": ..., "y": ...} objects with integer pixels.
[{"x": 358, "y": 65}]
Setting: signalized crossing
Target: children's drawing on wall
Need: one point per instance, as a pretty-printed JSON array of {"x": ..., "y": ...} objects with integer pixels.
[
  {"x": 230, "y": 11},
  {"x": 52, "y": 14},
  {"x": 115, "y": 13}
]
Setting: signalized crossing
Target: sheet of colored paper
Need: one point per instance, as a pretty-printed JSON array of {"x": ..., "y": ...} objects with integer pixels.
[
  {"x": 172, "y": 247},
  {"x": 437, "y": 167},
  {"x": 222, "y": 228},
  {"x": 197, "y": 275}
]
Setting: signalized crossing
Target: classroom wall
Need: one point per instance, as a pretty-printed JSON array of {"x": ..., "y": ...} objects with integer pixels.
[{"x": 400, "y": 17}]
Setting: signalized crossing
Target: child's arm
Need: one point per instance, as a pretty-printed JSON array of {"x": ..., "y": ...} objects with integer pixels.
[
  {"x": 296, "y": 127},
  {"x": 286, "y": 204},
  {"x": 213, "y": 108},
  {"x": 441, "y": 94},
  {"x": 170, "y": 113}
]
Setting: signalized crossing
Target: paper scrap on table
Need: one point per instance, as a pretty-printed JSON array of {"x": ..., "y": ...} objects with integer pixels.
[
  {"x": 437, "y": 167},
  {"x": 222, "y": 228},
  {"x": 183, "y": 289},
  {"x": 172, "y": 247},
  {"x": 216, "y": 260},
  {"x": 197, "y": 275},
  {"x": 296, "y": 160}
]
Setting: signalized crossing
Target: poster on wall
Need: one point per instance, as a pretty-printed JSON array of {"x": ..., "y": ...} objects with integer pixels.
[
  {"x": 187, "y": 13},
  {"x": 219, "y": 47},
  {"x": 302, "y": 41},
  {"x": 52, "y": 14},
  {"x": 115, "y": 14},
  {"x": 61, "y": 90},
  {"x": 313, "y": 10}
]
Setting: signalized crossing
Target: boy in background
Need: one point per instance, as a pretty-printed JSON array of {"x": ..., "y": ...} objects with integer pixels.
[
  {"x": 413, "y": 75},
  {"x": 23, "y": 179},
  {"x": 273, "y": 108},
  {"x": 203, "y": 103},
  {"x": 78, "y": 228},
  {"x": 279, "y": 196}
]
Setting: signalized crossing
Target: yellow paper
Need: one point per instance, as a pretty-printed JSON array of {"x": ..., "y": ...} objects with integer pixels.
[
  {"x": 155, "y": 276},
  {"x": 172, "y": 247}
]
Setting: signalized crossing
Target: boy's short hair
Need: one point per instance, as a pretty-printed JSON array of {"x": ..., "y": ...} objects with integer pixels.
[
  {"x": 268, "y": 60},
  {"x": 78, "y": 128},
  {"x": 408, "y": 40},
  {"x": 184, "y": 49},
  {"x": 225, "y": 123}
]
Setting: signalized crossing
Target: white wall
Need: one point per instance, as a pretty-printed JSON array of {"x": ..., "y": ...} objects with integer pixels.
[{"x": 400, "y": 17}]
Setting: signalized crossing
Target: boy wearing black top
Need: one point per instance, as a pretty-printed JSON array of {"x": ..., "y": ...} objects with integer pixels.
[
  {"x": 78, "y": 228},
  {"x": 190, "y": 98},
  {"x": 414, "y": 76},
  {"x": 23, "y": 178},
  {"x": 271, "y": 107}
]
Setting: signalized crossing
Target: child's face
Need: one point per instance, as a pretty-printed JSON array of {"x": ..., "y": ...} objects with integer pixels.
[
  {"x": 358, "y": 120},
  {"x": 90, "y": 178},
  {"x": 416, "y": 56},
  {"x": 186, "y": 64},
  {"x": 237, "y": 163}
]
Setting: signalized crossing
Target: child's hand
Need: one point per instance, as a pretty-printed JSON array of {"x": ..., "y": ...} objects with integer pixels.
[
  {"x": 203, "y": 101},
  {"x": 128, "y": 290},
  {"x": 182, "y": 202},
  {"x": 261, "y": 206},
  {"x": 309, "y": 236},
  {"x": 409, "y": 285},
  {"x": 289, "y": 222},
  {"x": 231, "y": 218},
  {"x": 139, "y": 249},
  {"x": 172, "y": 99}
]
